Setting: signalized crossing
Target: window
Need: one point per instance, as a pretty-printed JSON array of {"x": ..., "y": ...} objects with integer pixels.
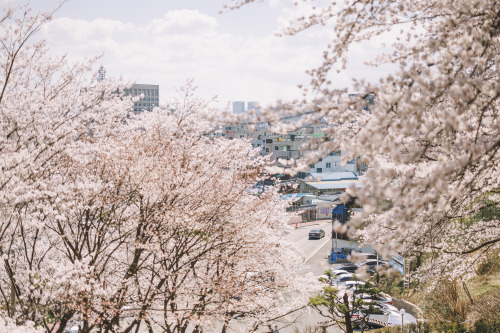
[
  {"x": 319, "y": 170},
  {"x": 275, "y": 147},
  {"x": 328, "y": 165},
  {"x": 267, "y": 150},
  {"x": 269, "y": 140}
]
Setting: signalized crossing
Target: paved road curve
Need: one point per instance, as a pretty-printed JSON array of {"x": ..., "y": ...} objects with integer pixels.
[{"x": 315, "y": 253}]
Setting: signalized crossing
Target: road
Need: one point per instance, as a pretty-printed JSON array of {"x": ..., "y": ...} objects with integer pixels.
[
  {"x": 315, "y": 252},
  {"x": 310, "y": 247}
]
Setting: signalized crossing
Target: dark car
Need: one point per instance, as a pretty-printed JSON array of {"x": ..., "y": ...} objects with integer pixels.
[
  {"x": 316, "y": 234},
  {"x": 350, "y": 267},
  {"x": 372, "y": 263}
]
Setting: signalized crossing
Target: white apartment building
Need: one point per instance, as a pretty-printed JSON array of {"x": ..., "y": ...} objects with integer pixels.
[{"x": 332, "y": 163}]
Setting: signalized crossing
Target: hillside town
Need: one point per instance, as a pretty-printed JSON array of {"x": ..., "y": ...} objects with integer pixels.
[{"x": 249, "y": 166}]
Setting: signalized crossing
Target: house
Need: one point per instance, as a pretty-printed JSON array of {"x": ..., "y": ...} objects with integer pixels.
[{"x": 328, "y": 183}]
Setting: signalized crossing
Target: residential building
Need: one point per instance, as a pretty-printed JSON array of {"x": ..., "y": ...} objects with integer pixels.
[
  {"x": 332, "y": 163},
  {"x": 238, "y": 107},
  {"x": 328, "y": 183},
  {"x": 150, "y": 97},
  {"x": 253, "y": 106}
]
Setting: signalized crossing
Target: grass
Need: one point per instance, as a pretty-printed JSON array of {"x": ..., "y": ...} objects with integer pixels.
[{"x": 449, "y": 302}]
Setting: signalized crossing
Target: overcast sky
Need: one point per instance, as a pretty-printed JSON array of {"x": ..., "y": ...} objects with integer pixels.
[{"x": 234, "y": 55}]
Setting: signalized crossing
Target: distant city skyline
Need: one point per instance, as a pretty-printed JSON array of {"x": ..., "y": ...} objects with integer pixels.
[{"x": 234, "y": 55}]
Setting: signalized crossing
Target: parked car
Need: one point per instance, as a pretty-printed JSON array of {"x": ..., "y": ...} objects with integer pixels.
[
  {"x": 372, "y": 263},
  {"x": 323, "y": 277},
  {"x": 353, "y": 284},
  {"x": 341, "y": 279},
  {"x": 350, "y": 267},
  {"x": 362, "y": 256},
  {"x": 382, "y": 298},
  {"x": 316, "y": 234},
  {"x": 337, "y": 272}
]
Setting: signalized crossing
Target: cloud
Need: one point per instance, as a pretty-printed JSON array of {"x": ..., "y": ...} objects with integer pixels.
[
  {"x": 81, "y": 31},
  {"x": 6, "y": 2},
  {"x": 183, "y": 22},
  {"x": 182, "y": 44}
]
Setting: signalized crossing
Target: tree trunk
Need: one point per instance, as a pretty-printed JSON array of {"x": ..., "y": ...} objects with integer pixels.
[
  {"x": 64, "y": 321},
  {"x": 12, "y": 305},
  {"x": 347, "y": 315}
]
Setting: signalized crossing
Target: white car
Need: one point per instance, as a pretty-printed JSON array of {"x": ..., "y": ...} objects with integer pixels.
[
  {"x": 382, "y": 299},
  {"x": 342, "y": 278},
  {"x": 337, "y": 272},
  {"x": 353, "y": 284}
]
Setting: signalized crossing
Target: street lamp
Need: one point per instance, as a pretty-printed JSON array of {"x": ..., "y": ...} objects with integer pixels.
[{"x": 402, "y": 312}]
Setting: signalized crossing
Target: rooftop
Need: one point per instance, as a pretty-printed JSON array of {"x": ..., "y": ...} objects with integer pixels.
[{"x": 344, "y": 175}]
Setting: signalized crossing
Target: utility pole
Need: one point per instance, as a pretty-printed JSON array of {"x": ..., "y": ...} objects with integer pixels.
[{"x": 334, "y": 245}]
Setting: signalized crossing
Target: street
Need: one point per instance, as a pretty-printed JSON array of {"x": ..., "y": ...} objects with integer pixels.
[{"x": 315, "y": 252}]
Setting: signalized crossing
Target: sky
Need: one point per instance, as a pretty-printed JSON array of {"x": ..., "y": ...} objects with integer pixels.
[{"x": 234, "y": 55}]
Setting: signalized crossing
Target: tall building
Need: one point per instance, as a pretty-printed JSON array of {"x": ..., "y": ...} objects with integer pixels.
[
  {"x": 238, "y": 107},
  {"x": 151, "y": 97},
  {"x": 253, "y": 106}
]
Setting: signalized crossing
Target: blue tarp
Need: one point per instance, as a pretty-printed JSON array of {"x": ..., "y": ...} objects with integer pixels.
[
  {"x": 340, "y": 213},
  {"x": 339, "y": 209}
]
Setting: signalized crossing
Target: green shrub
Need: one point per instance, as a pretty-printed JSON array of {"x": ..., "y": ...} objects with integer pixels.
[{"x": 481, "y": 326}]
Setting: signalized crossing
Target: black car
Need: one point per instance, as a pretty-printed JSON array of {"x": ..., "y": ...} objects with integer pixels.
[
  {"x": 348, "y": 267},
  {"x": 372, "y": 263},
  {"x": 316, "y": 234}
]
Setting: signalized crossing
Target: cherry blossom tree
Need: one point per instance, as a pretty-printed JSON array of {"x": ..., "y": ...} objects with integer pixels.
[
  {"x": 47, "y": 106},
  {"x": 431, "y": 139},
  {"x": 114, "y": 222},
  {"x": 201, "y": 248}
]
